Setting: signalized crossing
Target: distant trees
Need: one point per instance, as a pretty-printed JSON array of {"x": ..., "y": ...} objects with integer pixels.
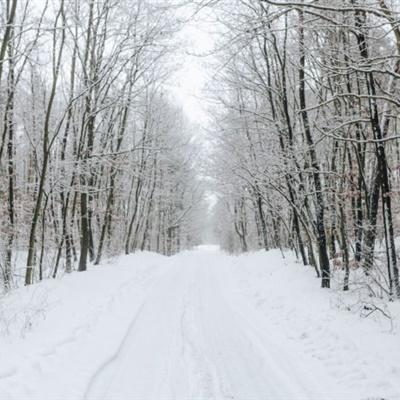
[
  {"x": 307, "y": 123},
  {"x": 94, "y": 158}
]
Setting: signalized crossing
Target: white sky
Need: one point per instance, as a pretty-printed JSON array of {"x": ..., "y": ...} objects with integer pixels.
[{"x": 188, "y": 82}]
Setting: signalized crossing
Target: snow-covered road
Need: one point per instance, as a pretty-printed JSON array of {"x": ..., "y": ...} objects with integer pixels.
[
  {"x": 189, "y": 341},
  {"x": 200, "y": 325}
]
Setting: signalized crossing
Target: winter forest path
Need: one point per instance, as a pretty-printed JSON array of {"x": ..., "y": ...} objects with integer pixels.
[
  {"x": 194, "y": 337},
  {"x": 200, "y": 325}
]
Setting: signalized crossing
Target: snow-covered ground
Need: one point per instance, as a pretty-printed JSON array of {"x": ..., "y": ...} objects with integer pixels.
[{"x": 199, "y": 325}]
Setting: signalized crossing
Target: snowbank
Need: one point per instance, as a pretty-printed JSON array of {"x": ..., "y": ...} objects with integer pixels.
[
  {"x": 354, "y": 341},
  {"x": 55, "y": 334}
]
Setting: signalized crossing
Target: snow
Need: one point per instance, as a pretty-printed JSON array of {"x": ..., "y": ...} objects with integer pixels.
[{"x": 198, "y": 325}]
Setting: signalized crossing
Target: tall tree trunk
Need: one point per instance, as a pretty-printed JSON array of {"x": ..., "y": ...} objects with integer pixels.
[
  {"x": 46, "y": 142},
  {"x": 319, "y": 199},
  {"x": 9, "y": 128}
]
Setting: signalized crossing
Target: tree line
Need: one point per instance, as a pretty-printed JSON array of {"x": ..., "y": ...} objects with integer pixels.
[
  {"x": 95, "y": 159},
  {"x": 306, "y": 133}
]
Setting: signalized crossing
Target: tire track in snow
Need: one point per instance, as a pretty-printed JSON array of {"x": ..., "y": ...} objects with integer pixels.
[
  {"x": 107, "y": 364},
  {"x": 247, "y": 369},
  {"x": 146, "y": 327},
  {"x": 194, "y": 351},
  {"x": 105, "y": 368}
]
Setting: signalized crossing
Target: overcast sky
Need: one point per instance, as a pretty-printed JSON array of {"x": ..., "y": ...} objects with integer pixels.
[{"x": 188, "y": 82}]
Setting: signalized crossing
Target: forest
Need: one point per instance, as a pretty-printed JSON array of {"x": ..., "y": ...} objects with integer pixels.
[
  {"x": 97, "y": 159},
  {"x": 307, "y": 145}
]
